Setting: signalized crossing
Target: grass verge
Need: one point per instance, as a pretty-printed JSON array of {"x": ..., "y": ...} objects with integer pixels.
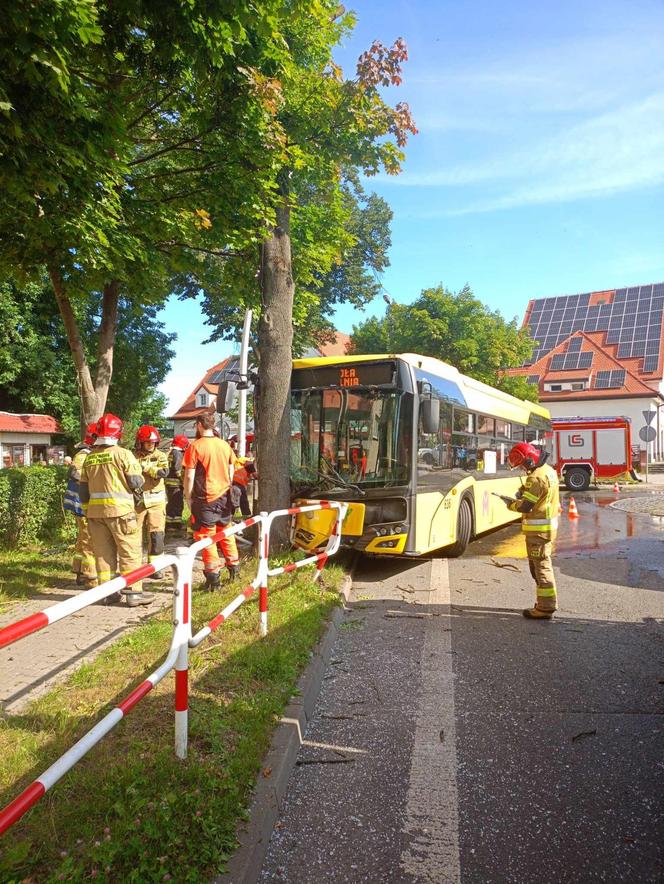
[
  {"x": 24, "y": 573},
  {"x": 130, "y": 810}
]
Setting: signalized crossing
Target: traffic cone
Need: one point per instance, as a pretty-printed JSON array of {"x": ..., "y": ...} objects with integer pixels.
[
  {"x": 616, "y": 488},
  {"x": 572, "y": 512}
]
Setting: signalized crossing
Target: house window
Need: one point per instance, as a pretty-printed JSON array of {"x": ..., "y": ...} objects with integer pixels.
[
  {"x": 555, "y": 388},
  {"x": 579, "y": 386},
  {"x": 202, "y": 400}
]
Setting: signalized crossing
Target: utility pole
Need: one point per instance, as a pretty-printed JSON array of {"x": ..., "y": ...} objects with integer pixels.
[{"x": 243, "y": 386}]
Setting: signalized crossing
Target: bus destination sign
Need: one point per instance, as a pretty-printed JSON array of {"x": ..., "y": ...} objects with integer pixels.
[{"x": 360, "y": 374}]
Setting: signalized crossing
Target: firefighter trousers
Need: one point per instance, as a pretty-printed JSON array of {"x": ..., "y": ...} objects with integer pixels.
[
  {"x": 540, "y": 550},
  {"x": 207, "y": 518},
  {"x": 83, "y": 562},
  {"x": 175, "y": 503},
  {"x": 154, "y": 518},
  {"x": 116, "y": 541}
]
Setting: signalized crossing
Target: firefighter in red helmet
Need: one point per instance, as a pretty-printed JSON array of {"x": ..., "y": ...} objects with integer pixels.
[
  {"x": 174, "y": 483},
  {"x": 152, "y": 510},
  {"x": 110, "y": 478},
  {"x": 538, "y": 502}
]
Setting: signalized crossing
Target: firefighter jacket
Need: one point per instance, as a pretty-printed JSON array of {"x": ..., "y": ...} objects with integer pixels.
[
  {"x": 539, "y": 502},
  {"x": 72, "y": 499},
  {"x": 109, "y": 478},
  {"x": 154, "y": 465},
  {"x": 175, "y": 477}
]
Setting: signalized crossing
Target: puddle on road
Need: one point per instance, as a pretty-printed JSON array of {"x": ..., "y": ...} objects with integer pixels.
[{"x": 600, "y": 527}]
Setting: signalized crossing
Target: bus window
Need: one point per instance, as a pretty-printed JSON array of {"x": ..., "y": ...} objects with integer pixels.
[
  {"x": 503, "y": 429},
  {"x": 433, "y": 449},
  {"x": 518, "y": 433},
  {"x": 464, "y": 421},
  {"x": 485, "y": 425}
]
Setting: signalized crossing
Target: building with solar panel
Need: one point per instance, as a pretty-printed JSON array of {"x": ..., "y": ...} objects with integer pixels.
[{"x": 600, "y": 354}]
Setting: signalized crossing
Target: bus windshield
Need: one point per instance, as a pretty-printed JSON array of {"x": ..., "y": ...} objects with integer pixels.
[{"x": 359, "y": 437}]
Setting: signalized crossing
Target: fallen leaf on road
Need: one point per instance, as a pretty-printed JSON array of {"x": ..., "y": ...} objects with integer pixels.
[{"x": 267, "y": 772}]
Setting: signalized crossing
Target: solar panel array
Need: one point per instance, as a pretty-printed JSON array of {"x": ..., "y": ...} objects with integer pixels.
[
  {"x": 608, "y": 380},
  {"x": 633, "y": 321},
  {"x": 573, "y": 359},
  {"x": 533, "y": 379}
]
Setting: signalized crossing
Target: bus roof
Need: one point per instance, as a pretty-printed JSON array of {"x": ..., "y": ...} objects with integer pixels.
[{"x": 479, "y": 396}]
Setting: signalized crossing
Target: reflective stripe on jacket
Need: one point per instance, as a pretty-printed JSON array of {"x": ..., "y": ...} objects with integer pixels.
[
  {"x": 154, "y": 465},
  {"x": 109, "y": 478},
  {"x": 540, "y": 489}
]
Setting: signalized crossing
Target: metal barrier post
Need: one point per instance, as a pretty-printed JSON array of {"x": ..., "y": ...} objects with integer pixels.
[
  {"x": 263, "y": 559},
  {"x": 183, "y": 614}
]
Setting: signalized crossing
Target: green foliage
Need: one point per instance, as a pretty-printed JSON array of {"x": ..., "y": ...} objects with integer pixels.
[
  {"x": 31, "y": 505},
  {"x": 456, "y": 328},
  {"x": 331, "y": 128},
  {"x": 36, "y": 370}
]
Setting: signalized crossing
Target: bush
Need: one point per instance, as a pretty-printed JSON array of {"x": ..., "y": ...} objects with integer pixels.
[{"x": 31, "y": 506}]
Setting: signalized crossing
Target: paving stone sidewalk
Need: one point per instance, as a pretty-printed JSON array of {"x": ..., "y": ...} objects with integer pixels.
[{"x": 38, "y": 662}]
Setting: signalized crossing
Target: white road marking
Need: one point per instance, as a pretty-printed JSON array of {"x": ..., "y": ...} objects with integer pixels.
[{"x": 432, "y": 817}]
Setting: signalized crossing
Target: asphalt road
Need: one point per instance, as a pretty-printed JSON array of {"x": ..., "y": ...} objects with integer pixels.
[{"x": 456, "y": 741}]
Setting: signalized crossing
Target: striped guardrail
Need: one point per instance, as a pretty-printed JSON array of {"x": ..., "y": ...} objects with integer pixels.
[{"x": 182, "y": 639}]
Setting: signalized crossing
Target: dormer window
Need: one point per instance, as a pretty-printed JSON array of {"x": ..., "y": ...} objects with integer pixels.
[{"x": 202, "y": 399}]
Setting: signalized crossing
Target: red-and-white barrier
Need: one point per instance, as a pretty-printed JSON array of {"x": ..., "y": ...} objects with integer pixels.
[{"x": 178, "y": 654}]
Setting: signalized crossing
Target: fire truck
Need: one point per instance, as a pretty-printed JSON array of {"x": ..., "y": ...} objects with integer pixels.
[{"x": 591, "y": 450}]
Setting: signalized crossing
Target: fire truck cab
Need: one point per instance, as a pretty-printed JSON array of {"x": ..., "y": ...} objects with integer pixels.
[{"x": 591, "y": 450}]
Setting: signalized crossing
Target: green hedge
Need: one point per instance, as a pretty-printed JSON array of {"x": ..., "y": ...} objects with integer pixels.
[{"x": 31, "y": 506}]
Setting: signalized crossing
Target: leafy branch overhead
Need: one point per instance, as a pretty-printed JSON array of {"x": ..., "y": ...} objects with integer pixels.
[{"x": 457, "y": 328}]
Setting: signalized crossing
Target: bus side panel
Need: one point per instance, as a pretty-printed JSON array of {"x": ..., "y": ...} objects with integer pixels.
[{"x": 434, "y": 524}]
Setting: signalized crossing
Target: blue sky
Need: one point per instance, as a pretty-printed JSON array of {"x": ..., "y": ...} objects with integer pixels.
[{"x": 539, "y": 166}]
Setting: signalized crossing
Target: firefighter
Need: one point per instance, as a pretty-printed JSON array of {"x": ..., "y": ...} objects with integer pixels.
[
  {"x": 244, "y": 473},
  {"x": 538, "y": 502},
  {"x": 209, "y": 493},
  {"x": 110, "y": 478},
  {"x": 174, "y": 479},
  {"x": 152, "y": 510},
  {"x": 83, "y": 563}
]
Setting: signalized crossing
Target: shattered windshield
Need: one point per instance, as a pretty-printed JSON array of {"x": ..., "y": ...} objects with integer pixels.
[{"x": 345, "y": 438}]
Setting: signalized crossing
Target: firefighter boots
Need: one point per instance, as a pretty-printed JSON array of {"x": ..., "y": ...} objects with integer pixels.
[{"x": 134, "y": 599}]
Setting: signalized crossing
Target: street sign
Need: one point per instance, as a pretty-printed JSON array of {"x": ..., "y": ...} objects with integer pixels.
[
  {"x": 647, "y": 434},
  {"x": 649, "y": 416}
]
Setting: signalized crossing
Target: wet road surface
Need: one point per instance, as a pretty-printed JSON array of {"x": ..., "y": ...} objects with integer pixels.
[{"x": 456, "y": 741}]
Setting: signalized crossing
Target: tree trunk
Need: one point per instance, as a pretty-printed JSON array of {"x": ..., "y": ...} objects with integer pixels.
[
  {"x": 275, "y": 339},
  {"x": 93, "y": 396}
]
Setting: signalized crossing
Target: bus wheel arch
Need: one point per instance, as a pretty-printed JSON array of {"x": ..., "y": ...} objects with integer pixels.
[{"x": 465, "y": 527}]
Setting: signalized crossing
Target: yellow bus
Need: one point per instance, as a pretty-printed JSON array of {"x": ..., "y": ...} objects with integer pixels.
[{"x": 415, "y": 447}]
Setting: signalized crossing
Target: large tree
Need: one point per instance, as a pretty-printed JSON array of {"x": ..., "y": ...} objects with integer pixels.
[
  {"x": 332, "y": 129},
  {"x": 457, "y": 328},
  {"x": 36, "y": 370},
  {"x": 137, "y": 142}
]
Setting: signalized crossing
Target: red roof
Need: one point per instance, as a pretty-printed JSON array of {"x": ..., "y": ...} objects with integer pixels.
[
  {"x": 28, "y": 423},
  {"x": 337, "y": 347},
  {"x": 188, "y": 409},
  {"x": 604, "y": 359}
]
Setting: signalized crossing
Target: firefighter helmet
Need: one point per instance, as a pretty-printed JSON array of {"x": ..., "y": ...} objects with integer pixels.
[
  {"x": 525, "y": 455},
  {"x": 181, "y": 442},
  {"x": 90, "y": 433},
  {"x": 146, "y": 433},
  {"x": 109, "y": 429}
]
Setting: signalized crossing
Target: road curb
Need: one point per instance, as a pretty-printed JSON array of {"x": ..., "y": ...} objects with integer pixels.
[{"x": 245, "y": 865}]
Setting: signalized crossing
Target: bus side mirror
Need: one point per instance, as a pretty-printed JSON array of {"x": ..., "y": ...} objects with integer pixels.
[
  {"x": 226, "y": 396},
  {"x": 430, "y": 415}
]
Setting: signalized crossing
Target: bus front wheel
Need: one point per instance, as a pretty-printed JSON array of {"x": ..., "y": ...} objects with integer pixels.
[{"x": 463, "y": 533}]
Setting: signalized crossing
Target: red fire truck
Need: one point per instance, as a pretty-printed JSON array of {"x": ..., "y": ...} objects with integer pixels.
[{"x": 591, "y": 450}]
